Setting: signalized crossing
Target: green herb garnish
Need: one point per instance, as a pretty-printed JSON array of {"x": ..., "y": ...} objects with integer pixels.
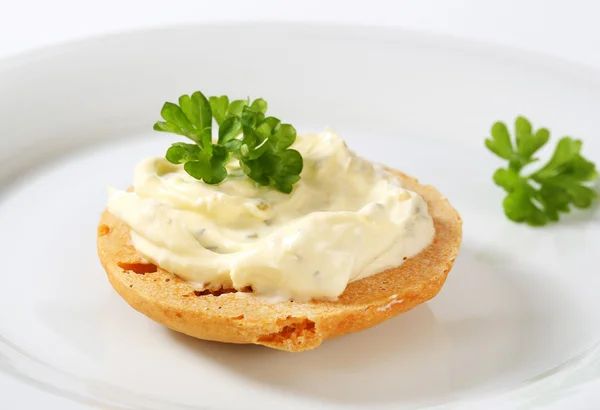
[
  {"x": 539, "y": 198},
  {"x": 260, "y": 143}
]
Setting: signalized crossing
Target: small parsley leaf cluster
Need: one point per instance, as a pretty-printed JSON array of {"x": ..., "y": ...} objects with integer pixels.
[
  {"x": 261, "y": 144},
  {"x": 539, "y": 198}
]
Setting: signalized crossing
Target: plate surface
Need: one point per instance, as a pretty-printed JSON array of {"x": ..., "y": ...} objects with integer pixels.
[{"x": 517, "y": 323}]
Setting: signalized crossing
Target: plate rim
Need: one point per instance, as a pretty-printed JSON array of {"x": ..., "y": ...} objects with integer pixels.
[{"x": 558, "y": 63}]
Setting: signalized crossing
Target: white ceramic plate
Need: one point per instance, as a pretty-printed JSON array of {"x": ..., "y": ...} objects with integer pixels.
[{"x": 516, "y": 326}]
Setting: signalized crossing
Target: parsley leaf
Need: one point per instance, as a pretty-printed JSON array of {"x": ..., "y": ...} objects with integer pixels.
[
  {"x": 264, "y": 154},
  {"x": 262, "y": 150},
  {"x": 540, "y": 197},
  {"x": 180, "y": 153},
  {"x": 236, "y": 107},
  {"x": 219, "y": 106},
  {"x": 209, "y": 167},
  {"x": 228, "y": 132}
]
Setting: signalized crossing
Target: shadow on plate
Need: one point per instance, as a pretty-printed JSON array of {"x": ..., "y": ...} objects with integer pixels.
[{"x": 487, "y": 330}]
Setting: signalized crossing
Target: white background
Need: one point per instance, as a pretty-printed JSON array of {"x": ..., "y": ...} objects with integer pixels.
[{"x": 567, "y": 29}]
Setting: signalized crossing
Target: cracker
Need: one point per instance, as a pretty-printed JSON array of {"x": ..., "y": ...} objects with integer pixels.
[{"x": 240, "y": 317}]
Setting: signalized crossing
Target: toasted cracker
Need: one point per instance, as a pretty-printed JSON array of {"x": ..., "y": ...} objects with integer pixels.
[{"x": 239, "y": 317}]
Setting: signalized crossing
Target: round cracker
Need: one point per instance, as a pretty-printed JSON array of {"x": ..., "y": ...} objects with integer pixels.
[{"x": 240, "y": 317}]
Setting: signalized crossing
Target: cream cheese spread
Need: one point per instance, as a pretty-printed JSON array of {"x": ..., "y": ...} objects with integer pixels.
[{"x": 346, "y": 219}]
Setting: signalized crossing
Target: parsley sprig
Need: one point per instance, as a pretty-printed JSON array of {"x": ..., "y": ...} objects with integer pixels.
[
  {"x": 539, "y": 197},
  {"x": 261, "y": 144}
]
